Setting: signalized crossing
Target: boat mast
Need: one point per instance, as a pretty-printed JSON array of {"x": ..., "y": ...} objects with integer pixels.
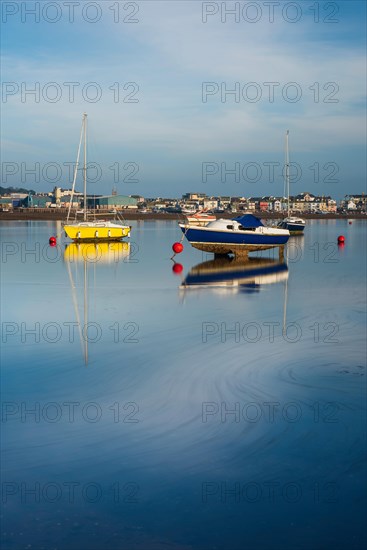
[
  {"x": 75, "y": 172},
  {"x": 287, "y": 167},
  {"x": 85, "y": 165}
]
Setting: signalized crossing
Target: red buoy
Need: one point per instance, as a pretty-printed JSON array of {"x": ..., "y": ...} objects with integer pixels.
[
  {"x": 177, "y": 268},
  {"x": 350, "y": 223},
  {"x": 341, "y": 239},
  {"x": 52, "y": 241},
  {"x": 177, "y": 248}
]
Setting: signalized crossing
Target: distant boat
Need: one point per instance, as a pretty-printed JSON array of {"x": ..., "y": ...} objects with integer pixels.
[
  {"x": 189, "y": 209},
  {"x": 173, "y": 209},
  {"x": 238, "y": 236},
  {"x": 201, "y": 218},
  {"x": 91, "y": 230},
  {"x": 294, "y": 224}
]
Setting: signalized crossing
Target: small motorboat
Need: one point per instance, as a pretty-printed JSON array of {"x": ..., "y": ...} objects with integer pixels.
[
  {"x": 238, "y": 236},
  {"x": 294, "y": 225},
  {"x": 201, "y": 218}
]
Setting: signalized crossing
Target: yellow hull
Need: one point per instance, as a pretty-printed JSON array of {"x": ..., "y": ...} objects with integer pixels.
[{"x": 79, "y": 233}]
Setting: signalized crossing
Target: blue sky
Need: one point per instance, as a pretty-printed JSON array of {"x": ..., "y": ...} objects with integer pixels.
[{"x": 161, "y": 59}]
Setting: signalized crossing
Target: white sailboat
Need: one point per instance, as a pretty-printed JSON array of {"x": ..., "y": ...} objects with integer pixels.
[
  {"x": 294, "y": 224},
  {"x": 91, "y": 230}
]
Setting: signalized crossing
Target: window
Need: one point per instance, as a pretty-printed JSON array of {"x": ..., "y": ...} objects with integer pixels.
[{"x": 241, "y": 228}]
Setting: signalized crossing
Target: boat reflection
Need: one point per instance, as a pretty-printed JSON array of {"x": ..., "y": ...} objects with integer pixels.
[
  {"x": 84, "y": 258},
  {"x": 235, "y": 275},
  {"x": 106, "y": 253}
]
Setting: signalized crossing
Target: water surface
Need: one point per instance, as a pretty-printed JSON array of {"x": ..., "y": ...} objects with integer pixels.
[{"x": 222, "y": 407}]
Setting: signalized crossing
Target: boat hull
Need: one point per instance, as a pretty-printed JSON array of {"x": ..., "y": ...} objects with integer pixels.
[
  {"x": 227, "y": 248},
  {"x": 104, "y": 233}
]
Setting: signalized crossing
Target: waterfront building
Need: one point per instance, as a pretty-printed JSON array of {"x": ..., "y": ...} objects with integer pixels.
[
  {"x": 105, "y": 202},
  {"x": 355, "y": 202},
  {"x": 193, "y": 196}
]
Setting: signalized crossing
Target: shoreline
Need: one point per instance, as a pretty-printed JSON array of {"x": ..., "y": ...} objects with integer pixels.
[{"x": 57, "y": 215}]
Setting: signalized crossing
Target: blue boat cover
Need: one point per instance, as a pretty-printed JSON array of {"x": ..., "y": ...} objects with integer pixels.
[{"x": 248, "y": 220}]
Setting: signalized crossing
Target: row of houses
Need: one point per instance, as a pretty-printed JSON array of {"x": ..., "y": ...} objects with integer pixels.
[{"x": 302, "y": 203}]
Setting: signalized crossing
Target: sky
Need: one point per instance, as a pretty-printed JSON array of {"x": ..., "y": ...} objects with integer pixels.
[{"x": 185, "y": 96}]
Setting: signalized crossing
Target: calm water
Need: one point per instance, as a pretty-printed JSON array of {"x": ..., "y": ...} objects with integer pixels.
[{"x": 222, "y": 407}]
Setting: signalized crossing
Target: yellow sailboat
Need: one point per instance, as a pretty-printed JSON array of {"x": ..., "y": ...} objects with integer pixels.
[{"x": 91, "y": 230}]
